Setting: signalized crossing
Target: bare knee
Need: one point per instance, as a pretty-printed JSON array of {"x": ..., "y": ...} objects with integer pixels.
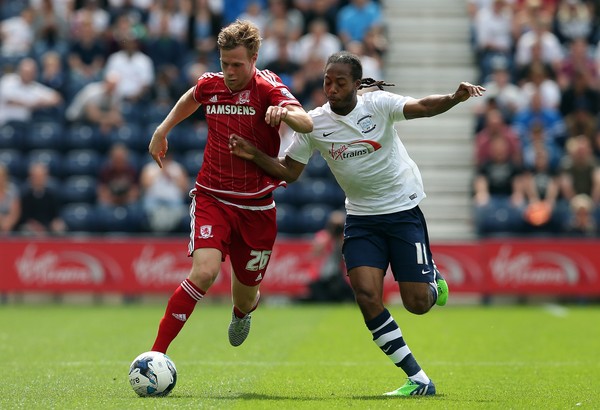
[
  {"x": 418, "y": 307},
  {"x": 369, "y": 302}
]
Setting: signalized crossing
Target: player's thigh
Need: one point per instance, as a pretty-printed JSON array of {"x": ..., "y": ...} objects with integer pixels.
[
  {"x": 410, "y": 255},
  {"x": 365, "y": 243},
  {"x": 211, "y": 226},
  {"x": 252, "y": 243},
  {"x": 206, "y": 265}
]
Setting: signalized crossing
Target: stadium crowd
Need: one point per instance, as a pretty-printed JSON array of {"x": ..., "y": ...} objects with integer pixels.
[
  {"x": 85, "y": 82},
  {"x": 537, "y": 136}
]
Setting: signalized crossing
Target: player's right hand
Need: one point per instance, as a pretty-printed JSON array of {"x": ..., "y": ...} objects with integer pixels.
[{"x": 158, "y": 147}]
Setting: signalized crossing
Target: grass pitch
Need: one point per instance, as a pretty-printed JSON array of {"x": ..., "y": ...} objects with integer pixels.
[{"x": 302, "y": 357}]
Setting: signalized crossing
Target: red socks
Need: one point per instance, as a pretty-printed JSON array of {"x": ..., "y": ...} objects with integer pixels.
[{"x": 180, "y": 307}]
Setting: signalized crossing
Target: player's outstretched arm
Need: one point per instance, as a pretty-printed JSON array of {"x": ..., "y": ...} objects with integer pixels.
[
  {"x": 283, "y": 168},
  {"x": 293, "y": 115},
  {"x": 437, "y": 104},
  {"x": 185, "y": 106}
]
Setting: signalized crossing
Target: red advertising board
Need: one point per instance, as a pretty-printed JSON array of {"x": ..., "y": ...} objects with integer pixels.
[{"x": 146, "y": 265}]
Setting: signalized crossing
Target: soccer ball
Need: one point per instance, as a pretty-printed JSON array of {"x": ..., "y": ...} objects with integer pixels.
[{"x": 152, "y": 374}]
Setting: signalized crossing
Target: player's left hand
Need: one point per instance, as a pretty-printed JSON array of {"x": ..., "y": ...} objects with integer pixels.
[
  {"x": 466, "y": 90},
  {"x": 240, "y": 147},
  {"x": 275, "y": 115}
]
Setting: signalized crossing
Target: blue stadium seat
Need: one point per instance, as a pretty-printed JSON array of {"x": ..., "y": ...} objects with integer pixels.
[
  {"x": 45, "y": 135},
  {"x": 79, "y": 217},
  {"x": 321, "y": 190},
  {"x": 313, "y": 217},
  {"x": 82, "y": 162},
  {"x": 287, "y": 219},
  {"x": 317, "y": 167},
  {"x": 52, "y": 158},
  {"x": 79, "y": 189},
  {"x": 126, "y": 219},
  {"x": 15, "y": 163},
  {"x": 132, "y": 136},
  {"x": 83, "y": 136},
  {"x": 291, "y": 195},
  {"x": 192, "y": 161},
  {"x": 184, "y": 138},
  {"x": 12, "y": 135}
]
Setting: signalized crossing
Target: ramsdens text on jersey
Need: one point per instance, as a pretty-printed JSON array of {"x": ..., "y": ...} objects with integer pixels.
[{"x": 230, "y": 109}]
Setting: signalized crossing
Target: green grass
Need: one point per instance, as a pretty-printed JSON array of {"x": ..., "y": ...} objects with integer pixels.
[{"x": 302, "y": 357}]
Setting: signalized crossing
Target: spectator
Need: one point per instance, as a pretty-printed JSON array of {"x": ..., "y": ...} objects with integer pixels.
[
  {"x": 98, "y": 104},
  {"x": 135, "y": 70},
  {"x": 581, "y": 222},
  {"x": 541, "y": 190},
  {"x": 499, "y": 186},
  {"x": 87, "y": 53},
  {"x": 577, "y": 60},
  {"x": 330, "y": 283},
  {"x": 579, "y": 171},
  {"x": 10, "y": 202},
  {"x": 523, "y": 72},
  {"x": 500, "y": 94},
  {"x": 539, "y": 80},
  {"x": 356, "y": 19},
  {"x": 535, "y": 140},
  {"x": 21, "y": 95},
  {"x": 256, "y": 14},
  {"x": 535, "y": 112},
  {"x": 273, "y": 44},
  {"x": 90, "y": 9},
  {"x": 294, "y": 20},
  {"x": 50, "y": 26},
  {"x": 579, "y": 106},
  {"x": 319, "y": 42},
  {"x": 165, "y": 49},
  {"x": 17, "y": 35},
  {"x": 321, "y": 10},
  {"x": 573, "y": 19},
  {"x": 118, "y": 179},
  {"x": 495, "y": 127},
  {"x": 40, "y": 204},
  {"x": 164, "y": 194},
  {"x": 550, "y": 47},
  {"x": 493, "y": 37},
  {"x": 204, "y": 27},
  {"x": 169, "y": 16},
  {"x": 288, "y": 70},
  {"x": 53, "y": 74}
]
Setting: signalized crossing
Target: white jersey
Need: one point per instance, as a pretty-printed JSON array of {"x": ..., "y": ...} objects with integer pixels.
[{"x": 365, "y": 154}]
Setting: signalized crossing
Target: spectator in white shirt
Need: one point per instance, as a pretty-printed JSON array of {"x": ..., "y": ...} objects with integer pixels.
[
  {"x": 17, "y": 34},
  {"x": 319, "y": 41},
  {"x": 21, "y": 95},
  {"x": 134, "y": 69}
]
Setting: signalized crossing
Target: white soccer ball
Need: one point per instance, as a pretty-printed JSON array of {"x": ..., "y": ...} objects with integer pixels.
[{"x": 152, "y": 374}]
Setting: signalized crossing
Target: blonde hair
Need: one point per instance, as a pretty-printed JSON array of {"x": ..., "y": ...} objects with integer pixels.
[{"x": 240, "y": 33}]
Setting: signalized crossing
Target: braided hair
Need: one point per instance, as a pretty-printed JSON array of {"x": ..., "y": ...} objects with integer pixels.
[{"x": 344, "y": 57}]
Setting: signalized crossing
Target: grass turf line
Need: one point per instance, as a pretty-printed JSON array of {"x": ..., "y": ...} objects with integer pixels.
[{"x": 301, "y": 357}]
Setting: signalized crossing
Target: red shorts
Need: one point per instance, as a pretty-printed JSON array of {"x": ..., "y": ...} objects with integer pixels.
[{"x": 244, "y": 230}]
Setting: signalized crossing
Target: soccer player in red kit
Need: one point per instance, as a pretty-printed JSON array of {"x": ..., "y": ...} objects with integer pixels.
[{"x": 232, "y": 207}]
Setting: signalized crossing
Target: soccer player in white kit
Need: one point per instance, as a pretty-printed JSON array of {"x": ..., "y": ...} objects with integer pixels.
[{"x": 383, "y": 186}]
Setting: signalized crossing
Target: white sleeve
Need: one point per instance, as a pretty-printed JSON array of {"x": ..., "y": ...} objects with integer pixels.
[{"x": 301, "y": 148}]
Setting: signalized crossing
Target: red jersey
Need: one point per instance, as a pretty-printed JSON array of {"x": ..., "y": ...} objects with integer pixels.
[{"x": 242, "y": 112}]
